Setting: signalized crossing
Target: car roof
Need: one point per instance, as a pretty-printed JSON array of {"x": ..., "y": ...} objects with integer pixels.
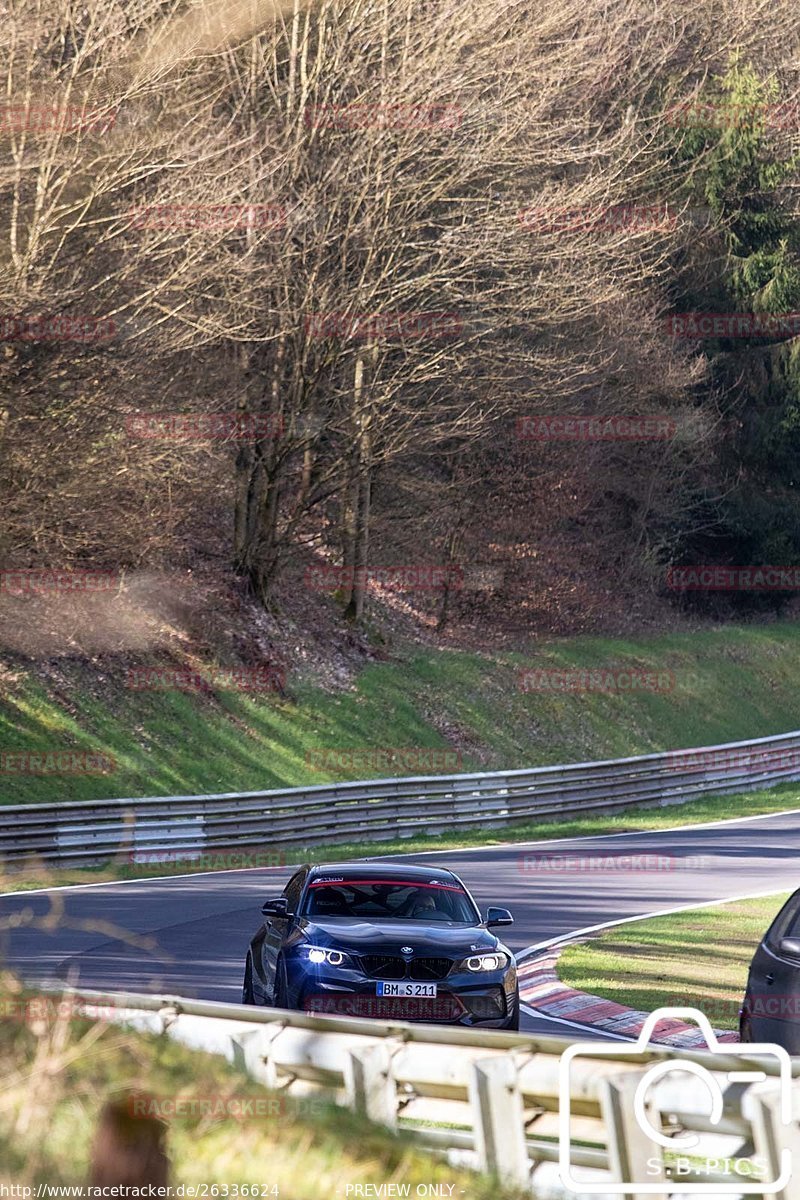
[{"x": 410, "y": 873}]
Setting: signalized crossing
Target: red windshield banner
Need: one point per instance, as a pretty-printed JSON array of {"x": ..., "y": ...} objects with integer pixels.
[{"x": 400, "y": 883}]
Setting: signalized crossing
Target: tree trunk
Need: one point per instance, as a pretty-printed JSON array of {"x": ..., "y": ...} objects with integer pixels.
[
  {"x": 244, "y": 480},
  {"x": 454, "y": 542},
  {"x": 351, "y": 492},
  {"x": 355, "y": 607}
]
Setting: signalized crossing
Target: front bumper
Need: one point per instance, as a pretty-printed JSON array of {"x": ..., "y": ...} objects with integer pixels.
[{"x": 461, "y": 998}]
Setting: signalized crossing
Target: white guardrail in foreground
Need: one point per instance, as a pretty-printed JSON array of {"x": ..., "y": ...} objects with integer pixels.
[
  {"x": 495, "y": 1096},
  {"x": 87, "y": 832}
]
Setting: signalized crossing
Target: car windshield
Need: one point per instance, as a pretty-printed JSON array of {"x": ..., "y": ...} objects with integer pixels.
[{"x": 398, "y": 900}]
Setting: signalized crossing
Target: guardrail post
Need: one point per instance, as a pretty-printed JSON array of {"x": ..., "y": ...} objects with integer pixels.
[
  {"x": 245, "y": 1046},
  {"x": 633, "y": 1156},
  {"x": 771, "y": 1138},
  {"x": 499, "y": 1120},
  {"x": 252, "y": 1052},
  {"x": 369, "y": 1084}
]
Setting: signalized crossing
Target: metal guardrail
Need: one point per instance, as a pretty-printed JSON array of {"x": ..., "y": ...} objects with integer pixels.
[
  {"x": 87, "y": 832},
  {"x": 491, "y": 1100}
]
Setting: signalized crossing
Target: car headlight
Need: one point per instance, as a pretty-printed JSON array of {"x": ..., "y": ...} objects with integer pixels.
[
  {"x": 324, "y": 954},
  {"x": 495, "y": 961}
]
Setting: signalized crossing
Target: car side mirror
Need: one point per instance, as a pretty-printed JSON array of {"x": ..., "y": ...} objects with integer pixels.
[
  {"x": 790, "y": 947},
  {"x": 276, "y": 908},
  {"x": 499, "y": 916}
]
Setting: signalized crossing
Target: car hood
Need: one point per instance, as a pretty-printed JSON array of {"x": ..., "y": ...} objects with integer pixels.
[{"x": 387, "y": 937}]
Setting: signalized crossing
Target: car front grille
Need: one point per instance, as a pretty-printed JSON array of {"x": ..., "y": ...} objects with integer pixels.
[
  {"x": 390, "y": 966},
  {"x": 383, "y": 966},
  {"x": 430, "y": 968}
]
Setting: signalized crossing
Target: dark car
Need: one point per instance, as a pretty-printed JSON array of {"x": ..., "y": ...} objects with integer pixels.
[
  {"x": 392, "y": 942},
  {"x": 770, "y": 1010}
]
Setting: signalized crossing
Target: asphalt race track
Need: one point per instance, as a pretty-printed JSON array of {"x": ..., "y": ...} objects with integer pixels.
[{"x": 188, "y": 935}]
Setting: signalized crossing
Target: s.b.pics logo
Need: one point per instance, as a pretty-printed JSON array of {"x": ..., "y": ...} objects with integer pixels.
[{"x": 675, "y": 1125}]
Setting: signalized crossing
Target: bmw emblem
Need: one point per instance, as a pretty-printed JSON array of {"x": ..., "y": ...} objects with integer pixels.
[{"x": 406, "y": 949}]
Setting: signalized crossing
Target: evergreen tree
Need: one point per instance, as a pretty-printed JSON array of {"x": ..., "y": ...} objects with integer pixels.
[{"x": 732, "y": 147}]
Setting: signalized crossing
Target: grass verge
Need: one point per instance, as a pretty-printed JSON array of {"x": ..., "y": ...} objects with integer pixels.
[
  {"x": 699, "y": 958},
  {"x": 723, "y": 684},
  {"x": 58, "y": 1073}
]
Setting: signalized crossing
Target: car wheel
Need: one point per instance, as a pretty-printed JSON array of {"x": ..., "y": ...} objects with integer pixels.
[
  {"x": 248, "y": 996},
  {"x": 513, "y": 1020},
  {"x": 745, "y": 1032}
]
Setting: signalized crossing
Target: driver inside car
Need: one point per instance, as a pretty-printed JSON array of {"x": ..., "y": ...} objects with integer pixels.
[{"x": 426, "y": 908}]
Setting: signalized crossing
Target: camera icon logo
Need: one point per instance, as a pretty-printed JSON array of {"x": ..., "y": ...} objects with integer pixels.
[{"x": 631, "y": 1104}]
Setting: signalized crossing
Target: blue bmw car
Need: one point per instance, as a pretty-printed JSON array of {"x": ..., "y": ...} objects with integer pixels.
[{"x": 392, "y": 942}]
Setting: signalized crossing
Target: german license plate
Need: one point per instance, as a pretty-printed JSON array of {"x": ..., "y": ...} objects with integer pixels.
[{"x": 406, "y": 989}]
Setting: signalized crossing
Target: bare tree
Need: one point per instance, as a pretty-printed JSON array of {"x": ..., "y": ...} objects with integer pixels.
[{"x": 408, "y": 254}]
